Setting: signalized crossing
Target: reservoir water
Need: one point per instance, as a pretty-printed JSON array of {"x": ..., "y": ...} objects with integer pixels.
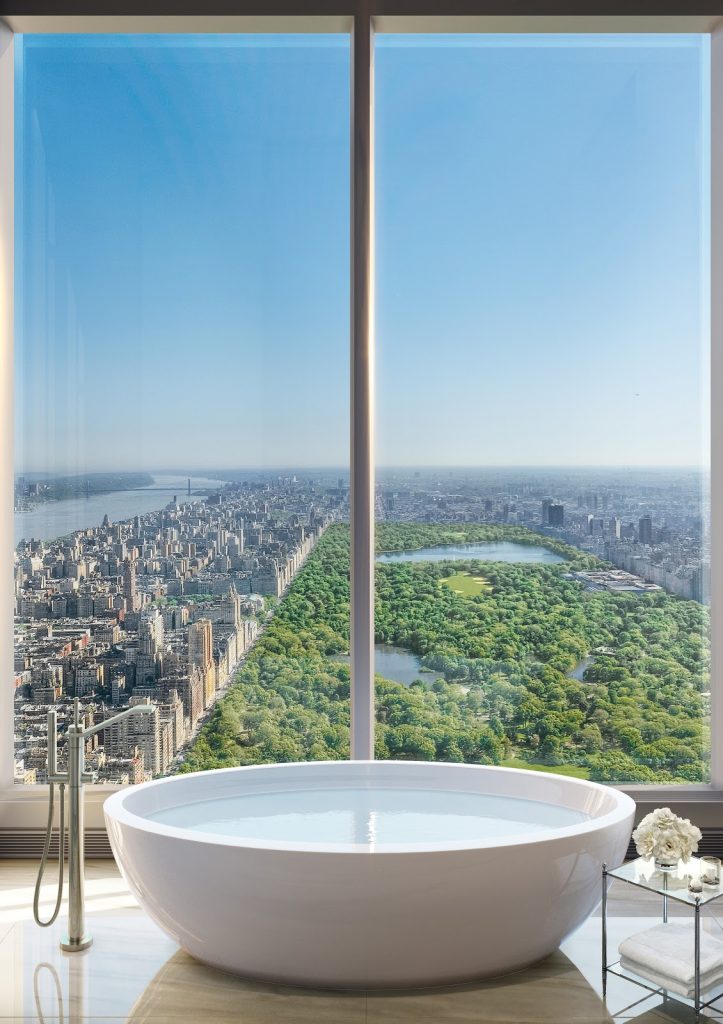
[
  {"x": 397, "y": 664},
  {"x": 491, "y": 551},
  {"x": 52, "y": 519},
  {"x": 372, "y": 817}
]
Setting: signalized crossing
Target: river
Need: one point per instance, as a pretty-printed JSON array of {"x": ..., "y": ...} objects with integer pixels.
[
  {"x": 53, "y": 519},
  {"x": 490, "y": 551}
]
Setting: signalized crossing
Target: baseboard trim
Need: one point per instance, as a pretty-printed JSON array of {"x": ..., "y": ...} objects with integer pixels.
[{"x": 19, "y": 843}]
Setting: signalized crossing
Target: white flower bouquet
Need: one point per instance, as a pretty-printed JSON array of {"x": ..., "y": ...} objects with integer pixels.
[{"x": 666, "y": 837}]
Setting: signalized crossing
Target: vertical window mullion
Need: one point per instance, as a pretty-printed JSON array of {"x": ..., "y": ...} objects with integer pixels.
[{"x": 362, "y": 382}]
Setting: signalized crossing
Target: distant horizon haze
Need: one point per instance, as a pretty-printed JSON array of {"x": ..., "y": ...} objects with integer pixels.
[{"x": 339, "y": 469}]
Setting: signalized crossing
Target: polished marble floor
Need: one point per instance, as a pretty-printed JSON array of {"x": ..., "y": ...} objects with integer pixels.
[{"x": 133, "y": 973}]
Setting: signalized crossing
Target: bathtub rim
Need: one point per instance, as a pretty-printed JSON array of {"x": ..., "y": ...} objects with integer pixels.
[{"x": 116, "y": 812}]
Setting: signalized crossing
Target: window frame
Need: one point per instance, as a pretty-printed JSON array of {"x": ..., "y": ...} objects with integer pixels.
[{"x": 24, "y": 807}]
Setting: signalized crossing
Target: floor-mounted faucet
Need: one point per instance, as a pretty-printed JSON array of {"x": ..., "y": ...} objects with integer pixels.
[{"x": 77, "y": 937}]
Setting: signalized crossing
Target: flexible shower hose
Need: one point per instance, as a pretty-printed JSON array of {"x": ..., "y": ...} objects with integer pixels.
[{"x": 44, "y": 858}]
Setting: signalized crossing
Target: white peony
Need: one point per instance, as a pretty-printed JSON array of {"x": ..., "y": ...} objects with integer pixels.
[{"x": 666, "y": 837}]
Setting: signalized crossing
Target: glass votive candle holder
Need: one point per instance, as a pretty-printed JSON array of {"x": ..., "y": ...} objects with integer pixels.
[
  {"x": 695, "y": 885},
  {"x": 710, "y": 870}
]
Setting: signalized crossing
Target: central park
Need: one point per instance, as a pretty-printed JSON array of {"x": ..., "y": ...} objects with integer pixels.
[{"x": 504, "y": 638}]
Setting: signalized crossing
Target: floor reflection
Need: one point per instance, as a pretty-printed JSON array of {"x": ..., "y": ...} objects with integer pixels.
[
  {"x": 58, "y": 1008},
  {"x": 185, "y": 990},
  {"x": 135, "y": 974},
  {"x": 551, "y": 991}
]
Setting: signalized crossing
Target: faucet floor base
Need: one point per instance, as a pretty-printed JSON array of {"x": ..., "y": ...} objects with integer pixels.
[{"x": 76, "y": 945}]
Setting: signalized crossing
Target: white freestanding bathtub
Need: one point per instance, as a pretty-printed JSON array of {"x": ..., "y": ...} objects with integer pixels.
[{"x": 359, "y": 874}]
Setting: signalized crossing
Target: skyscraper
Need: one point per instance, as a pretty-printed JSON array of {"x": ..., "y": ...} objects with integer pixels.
[
  {"x": 200, "y": 656},
  {"x": 556, "y": 514},
  {"x": 199, "y": 642},
  {"x": 150, "y": 633},
  {"x": 645, "y": 530},
  {"x": 142, "y": 731},
  {"x": 130, "y": 592},
  {"x": 231, "y": 607}
]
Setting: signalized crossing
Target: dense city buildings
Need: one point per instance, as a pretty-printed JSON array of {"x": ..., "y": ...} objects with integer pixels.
[{"x": 161, "y": 608}]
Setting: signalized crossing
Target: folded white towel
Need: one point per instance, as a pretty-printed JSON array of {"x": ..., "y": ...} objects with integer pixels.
[
  {"x": 707, "y": 982},
  {"x": 668, "y": 950}
]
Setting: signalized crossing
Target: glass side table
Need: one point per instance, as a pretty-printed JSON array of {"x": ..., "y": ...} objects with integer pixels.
[{"x": 670, "y": 884}]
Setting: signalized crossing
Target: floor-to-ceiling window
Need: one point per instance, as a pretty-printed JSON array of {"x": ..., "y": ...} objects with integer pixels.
[
  {"x": 542, "y": 428},
  {"x": 181, "y": 487}
]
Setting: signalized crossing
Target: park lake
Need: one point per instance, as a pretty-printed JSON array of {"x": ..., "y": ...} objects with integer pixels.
[
  {"x": 401, "y": 666},
  {"x": 490, "y": 551},
  {"x": 397, "y": 664}
]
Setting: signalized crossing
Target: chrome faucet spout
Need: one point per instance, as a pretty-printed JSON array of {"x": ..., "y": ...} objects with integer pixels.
[{"x": 136, "y": 709}]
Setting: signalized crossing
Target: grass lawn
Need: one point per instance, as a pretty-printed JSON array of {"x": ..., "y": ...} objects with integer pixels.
[
  {"x": 563, "y": 769},
  {"x": 466, "y": 584}
]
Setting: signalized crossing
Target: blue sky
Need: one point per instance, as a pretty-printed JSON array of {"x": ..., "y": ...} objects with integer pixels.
[{"x": 183, "y": 270}]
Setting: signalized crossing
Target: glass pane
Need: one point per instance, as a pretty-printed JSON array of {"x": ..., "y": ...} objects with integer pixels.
[
  {"x": 182, "y": 397},
  {"x": 542, "y": 421}
]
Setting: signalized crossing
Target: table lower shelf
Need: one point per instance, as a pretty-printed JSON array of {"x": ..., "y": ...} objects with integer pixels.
[{"x": 637, "y": 979}]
